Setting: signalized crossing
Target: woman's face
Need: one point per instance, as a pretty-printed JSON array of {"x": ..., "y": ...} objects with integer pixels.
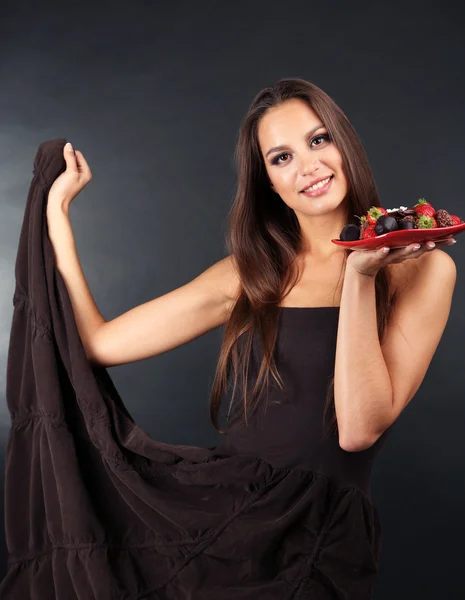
[{"x": 306, "y": 154}]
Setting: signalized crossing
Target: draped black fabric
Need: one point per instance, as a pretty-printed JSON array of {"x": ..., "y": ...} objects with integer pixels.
[{"x": 96, "y": 509}]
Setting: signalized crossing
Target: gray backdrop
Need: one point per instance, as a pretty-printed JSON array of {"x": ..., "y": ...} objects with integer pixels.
[{"x": 152, "y": 93}]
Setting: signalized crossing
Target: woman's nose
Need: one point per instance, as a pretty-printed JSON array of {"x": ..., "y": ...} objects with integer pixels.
[
  {"x": 309, "y": 166},
  {"x": 308, "y": 162}
]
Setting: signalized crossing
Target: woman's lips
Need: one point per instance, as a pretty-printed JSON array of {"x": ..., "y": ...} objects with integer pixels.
[{"x": 318, "y": 191}]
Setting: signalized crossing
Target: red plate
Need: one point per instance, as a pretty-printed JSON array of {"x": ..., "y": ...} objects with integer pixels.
[{"x": 404, "y": 237}]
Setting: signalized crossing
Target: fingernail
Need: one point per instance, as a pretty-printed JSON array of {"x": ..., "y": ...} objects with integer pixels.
[
  {"x": 416, "y": 247},
  {"x": 452, "y": 242},
  {"x": 69, "y": 146}
]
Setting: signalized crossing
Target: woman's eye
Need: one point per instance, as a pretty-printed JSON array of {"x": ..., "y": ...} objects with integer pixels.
[
  {"x": 276, "y": 158},
  {"x": 324, "y": 136}
]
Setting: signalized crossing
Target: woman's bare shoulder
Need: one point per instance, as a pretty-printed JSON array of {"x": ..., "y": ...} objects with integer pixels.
[
  {"x": 402, "y": 273},
  {"x": 228, "y": 277}
]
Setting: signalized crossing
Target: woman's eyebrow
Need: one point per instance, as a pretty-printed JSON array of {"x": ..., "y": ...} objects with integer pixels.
[{"x": 311, "y": 132}]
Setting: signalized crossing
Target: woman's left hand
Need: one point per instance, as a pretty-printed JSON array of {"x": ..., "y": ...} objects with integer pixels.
[{"x": 369, "y": 262}]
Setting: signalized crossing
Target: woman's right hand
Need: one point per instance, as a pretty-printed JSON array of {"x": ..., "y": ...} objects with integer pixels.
[{"x": 68, "y": 185}]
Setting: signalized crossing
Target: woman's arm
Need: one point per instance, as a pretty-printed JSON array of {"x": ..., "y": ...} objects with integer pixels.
[
  {"x": 87, "y": 315},
  {"x": 374, "y": 382},
  {"x": 168, "y": 321},
  {"x": 150, "y": 328}
]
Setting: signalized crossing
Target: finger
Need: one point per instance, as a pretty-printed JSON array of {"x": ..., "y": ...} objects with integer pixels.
[
  {"x": 417, "y": 248},
  {"x": 70, "y": 158},
  {"x": 425, "y": 247},
  {"x": 432, "y": 245},
  {"x": 449, "y": 242},
  {"x": 400, "y": 254},
  {"x": 82, "y": 164}
]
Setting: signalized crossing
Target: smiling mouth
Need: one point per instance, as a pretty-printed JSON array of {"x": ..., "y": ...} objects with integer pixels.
[{"x": 310, "y": 189}]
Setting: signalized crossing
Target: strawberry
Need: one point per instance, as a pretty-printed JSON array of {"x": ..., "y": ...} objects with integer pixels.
[
  {"x": 457, "y": 220},
  {"x": 374, "y": 213},
  {"x": 368, "y": 232},
  {"x": 425, "y": 222},
  {"x": 424, "y": 208},
  {"x": 363, "y": 221}
]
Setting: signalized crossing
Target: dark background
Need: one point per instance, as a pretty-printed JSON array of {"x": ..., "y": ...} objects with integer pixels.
[{"x": 152, "y": 93}]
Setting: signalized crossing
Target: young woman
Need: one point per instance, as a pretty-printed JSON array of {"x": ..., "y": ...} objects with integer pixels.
[{"x": 327, "y": 346}]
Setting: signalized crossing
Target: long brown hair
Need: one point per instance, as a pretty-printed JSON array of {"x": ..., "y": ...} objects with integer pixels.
[{"x": 265, "y": 242}]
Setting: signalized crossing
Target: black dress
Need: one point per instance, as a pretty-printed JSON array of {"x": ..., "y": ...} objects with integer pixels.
[{"x": 96, "y": 509}]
